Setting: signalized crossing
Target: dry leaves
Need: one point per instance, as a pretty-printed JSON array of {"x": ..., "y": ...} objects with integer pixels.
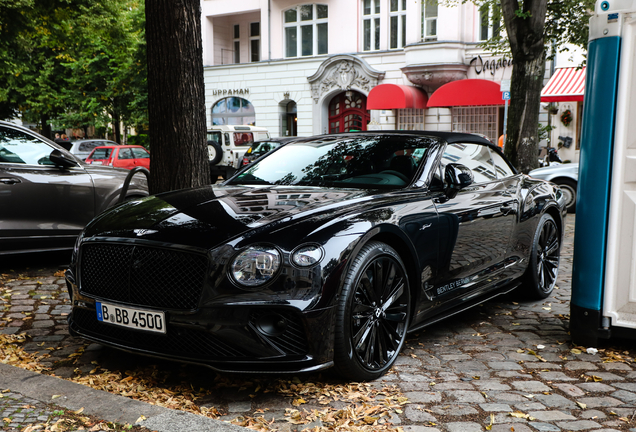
[
  {"x": 12, "y": 353},
  {"x": 367, "y": 407},
  {"x": 610, "y": 356}
]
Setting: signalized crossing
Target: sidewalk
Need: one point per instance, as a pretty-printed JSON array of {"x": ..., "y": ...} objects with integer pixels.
[
  {"x": 38, "y": 391},
  {"x": 507, "y": 365}
]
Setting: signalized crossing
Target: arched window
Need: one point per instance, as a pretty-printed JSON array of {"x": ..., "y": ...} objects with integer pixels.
[
  {"x": 289, "y": 119},
  {"x": 233, "y": 111},
  {"x": 306, "y": 24}
]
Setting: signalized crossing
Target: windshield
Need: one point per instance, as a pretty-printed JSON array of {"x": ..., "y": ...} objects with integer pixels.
[
  {"x": 264, "y": 146},
  {"x": 367, "y": 162}
]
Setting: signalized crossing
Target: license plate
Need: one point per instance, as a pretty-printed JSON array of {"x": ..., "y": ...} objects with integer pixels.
[{"x": 154, "y": 321}]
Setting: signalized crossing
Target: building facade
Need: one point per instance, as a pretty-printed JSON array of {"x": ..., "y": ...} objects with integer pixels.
[
  {"x": 562, "y": 98},
  {"x": 303, "y": 68}
]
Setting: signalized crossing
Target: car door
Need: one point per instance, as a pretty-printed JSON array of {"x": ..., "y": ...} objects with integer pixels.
[
  {"x": 41, "y": 206},
  {"x": 141, "y": 157},
  {"x": 123, "y": 158},
  {"x": 478, "y": 223}
]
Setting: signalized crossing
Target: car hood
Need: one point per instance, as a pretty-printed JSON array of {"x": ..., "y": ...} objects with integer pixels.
[{"x": 207, "y": 217}]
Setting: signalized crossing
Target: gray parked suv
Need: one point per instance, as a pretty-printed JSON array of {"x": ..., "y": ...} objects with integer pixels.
[{"x": 47, "y": 195}]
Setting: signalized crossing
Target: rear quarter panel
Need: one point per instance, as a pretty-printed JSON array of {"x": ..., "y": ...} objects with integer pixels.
[{"x": 536, "y": 198}]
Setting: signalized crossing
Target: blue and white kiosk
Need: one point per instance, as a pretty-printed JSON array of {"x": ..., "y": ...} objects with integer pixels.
[{"x": 604, "y": 273}]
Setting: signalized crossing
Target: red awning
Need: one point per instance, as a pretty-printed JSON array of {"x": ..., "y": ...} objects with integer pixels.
[
  {"x": 466, "y": 92},
  {"x": 566, "y": 85},
  {"x": 395, "y": 96}
]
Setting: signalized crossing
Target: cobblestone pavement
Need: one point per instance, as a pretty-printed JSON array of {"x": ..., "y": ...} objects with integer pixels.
[
  {"x": 507, "y": 365},
  {"x": 17, "y": 410}
]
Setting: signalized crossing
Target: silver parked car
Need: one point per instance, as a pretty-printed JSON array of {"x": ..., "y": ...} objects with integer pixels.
[
  {"x": 564, "y": 175},
  {"x": 82, "y": 148},
  {"x": 47, "y": 195}
]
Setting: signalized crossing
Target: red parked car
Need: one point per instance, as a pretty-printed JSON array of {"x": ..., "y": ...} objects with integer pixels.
[{"x": 121, "y": 156}]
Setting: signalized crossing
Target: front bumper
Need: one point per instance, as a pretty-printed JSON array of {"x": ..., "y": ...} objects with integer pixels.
[
  {"x": 249, "y": 338},
  {"x": 242, "y": 333}
]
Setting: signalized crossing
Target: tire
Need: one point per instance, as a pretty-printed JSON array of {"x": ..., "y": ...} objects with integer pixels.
[
  {"x": 568, "y": 187},
  {"x": 543, "y": 268},
  {"x": 372, "y": 318},
  {"x": 215, "y": 152}
]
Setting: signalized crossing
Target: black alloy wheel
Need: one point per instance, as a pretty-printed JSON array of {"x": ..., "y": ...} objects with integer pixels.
[
  {"x": 373, "y": 314},
  {"x": 543, "y": 268}
]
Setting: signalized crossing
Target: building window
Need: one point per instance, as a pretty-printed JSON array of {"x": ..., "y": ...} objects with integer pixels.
[
  {"x": 429, "y": 19},
  {"x": 306, "y": 31},
  {"x": 397, "y": 24},
  {"x": 482, "y": 120},
  {"x": 410, "y": 119},
  {"x": 489, "y": 21},
  {"x": 237, "y": 44},
  {"x": 289, "y": 120},
  {"x": 370, "y": 25},
  {"x": 233, "y": 111},
  {"x": 255, "y": 41}
]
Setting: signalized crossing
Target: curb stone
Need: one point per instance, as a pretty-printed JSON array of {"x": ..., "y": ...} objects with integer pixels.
[{"x": 105, "y": 405}]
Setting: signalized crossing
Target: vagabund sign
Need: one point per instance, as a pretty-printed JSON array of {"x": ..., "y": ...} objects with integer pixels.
[{"x": 489, "y": 65}]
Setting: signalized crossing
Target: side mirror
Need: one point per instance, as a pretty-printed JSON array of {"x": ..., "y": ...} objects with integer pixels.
[
  {"x": 61, "y": 160},
  {"x": 457, "y": 177}
]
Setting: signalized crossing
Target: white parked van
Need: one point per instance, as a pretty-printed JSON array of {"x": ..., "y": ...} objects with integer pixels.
[{"x": 228, "y": 144}]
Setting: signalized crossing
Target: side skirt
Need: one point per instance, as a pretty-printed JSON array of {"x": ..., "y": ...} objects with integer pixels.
[{"x": 461, "y": 308}]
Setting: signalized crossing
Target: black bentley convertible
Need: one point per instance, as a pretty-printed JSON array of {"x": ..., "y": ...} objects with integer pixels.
[{"x": 324, "y": 253}]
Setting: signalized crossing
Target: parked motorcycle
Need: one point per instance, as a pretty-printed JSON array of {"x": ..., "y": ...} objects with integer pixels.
[{"x": 550, "y": 156}]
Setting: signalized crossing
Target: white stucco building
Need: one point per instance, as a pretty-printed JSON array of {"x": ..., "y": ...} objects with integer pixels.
[{"x": 302, "y": 68}]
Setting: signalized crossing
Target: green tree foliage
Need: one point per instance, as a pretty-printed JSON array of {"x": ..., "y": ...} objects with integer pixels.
[
  {"x": 531, "y": 26},
  {"x": 12, "y": 23},
  {"x": 75, "y": 63},
  {"x": 566, "y": 24}
]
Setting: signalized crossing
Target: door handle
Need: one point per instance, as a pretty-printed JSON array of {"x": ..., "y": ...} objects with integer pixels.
[
  {"x": 506, "y": 210},
  {"x": 10, "y": 180}
]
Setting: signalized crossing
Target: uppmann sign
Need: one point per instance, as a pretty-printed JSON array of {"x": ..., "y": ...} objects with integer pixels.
[{"x": 489, "y": 65}]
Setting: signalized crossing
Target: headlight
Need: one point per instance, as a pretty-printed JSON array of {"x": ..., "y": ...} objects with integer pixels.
[
  {"x": 256, "y": 265},
  {"x": 307, "y": 255}
]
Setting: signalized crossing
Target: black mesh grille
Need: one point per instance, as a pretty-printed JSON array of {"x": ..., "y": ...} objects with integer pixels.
[
  {"x": 143, "y": 275},
  {"x": 177, "y": 341}
]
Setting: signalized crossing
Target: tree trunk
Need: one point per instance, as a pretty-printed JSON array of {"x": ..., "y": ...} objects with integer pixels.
[
  {"x": 46, "y": 126},
  {"x": 116, "y": 127},
  {"x": 525, "y": 25},
  {"x": 522, "y": 139},
  {"x": 176, "y": 98}
]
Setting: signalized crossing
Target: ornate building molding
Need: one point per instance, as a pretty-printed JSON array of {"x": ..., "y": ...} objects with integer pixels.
[
  {"x": 344, "y": 72},
  {"x": 435, "y": 75}
]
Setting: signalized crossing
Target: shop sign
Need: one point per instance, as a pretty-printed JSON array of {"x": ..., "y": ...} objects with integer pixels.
[
  {"x": 490, "y": 65},
  {"x": 230, "y": 92}
]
